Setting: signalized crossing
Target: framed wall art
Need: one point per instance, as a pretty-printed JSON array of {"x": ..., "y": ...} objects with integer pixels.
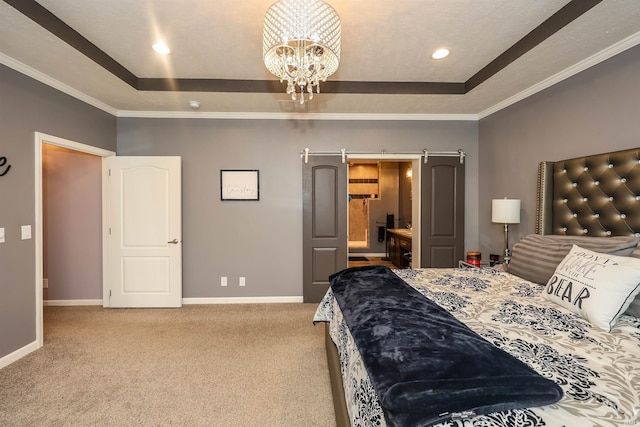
[{"x": 240, "y": 184}]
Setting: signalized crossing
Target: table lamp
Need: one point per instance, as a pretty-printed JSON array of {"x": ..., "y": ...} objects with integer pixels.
[{"x": 505, "y": 211}]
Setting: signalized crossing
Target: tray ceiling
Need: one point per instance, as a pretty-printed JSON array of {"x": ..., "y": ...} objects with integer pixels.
[{"x": 501, "y": 51}]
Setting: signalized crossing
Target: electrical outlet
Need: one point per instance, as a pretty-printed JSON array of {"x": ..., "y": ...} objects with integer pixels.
[
  {"x": 26, "y": 232},
  {"x": 45, "y": 283},
  {"x": 242, "y": 281},
  {"x": 223, "y": 281}
]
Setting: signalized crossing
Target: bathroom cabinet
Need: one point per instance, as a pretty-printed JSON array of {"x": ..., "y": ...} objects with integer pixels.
[{"x": 400, "y": 247}]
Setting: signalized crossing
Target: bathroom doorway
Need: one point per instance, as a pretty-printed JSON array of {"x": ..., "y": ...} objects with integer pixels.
[
  {"x": 378, "y": 190},
  {"x": 437, "y": 228}
]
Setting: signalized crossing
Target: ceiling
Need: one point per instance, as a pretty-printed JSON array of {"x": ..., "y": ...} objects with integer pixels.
[{"x": 501, "y": 52}]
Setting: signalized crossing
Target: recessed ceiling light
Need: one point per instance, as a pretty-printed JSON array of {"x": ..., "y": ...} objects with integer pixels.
[
  {"x": 161, "y": 48},
  {"x": 440, "y": 53}
]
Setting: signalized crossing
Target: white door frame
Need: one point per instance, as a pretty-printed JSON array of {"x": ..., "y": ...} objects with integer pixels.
[
  {"x": 40, "y": 139},
  {"x": 416, "y": 205}
]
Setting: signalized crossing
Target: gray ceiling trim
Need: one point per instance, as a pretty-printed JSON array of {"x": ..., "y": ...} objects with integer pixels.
[
  {"x": 36, "y": 12},
  {"x": 274, "y": 86},
  {"x": 570, "y": 12}
]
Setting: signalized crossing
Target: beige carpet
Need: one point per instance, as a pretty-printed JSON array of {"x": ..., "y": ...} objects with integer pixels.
[{"x": 219, "y": 365}]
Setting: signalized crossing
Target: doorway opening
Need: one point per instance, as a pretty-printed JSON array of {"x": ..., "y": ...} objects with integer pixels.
[
  {"x": 381, "y": 197},
  {"x": 437, "y": 231},
  {"x": 72, "y": 226},
  {"x": 39, "y": 141}
]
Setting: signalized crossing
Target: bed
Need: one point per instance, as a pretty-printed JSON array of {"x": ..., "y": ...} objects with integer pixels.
[{"x": 564, "y": 319}]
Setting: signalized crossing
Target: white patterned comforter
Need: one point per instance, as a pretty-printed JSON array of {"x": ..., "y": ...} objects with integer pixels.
[{"x": 598, "y": 371}]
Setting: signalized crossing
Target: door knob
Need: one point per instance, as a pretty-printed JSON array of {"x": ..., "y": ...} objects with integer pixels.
[{"x": 174, "y": 241}]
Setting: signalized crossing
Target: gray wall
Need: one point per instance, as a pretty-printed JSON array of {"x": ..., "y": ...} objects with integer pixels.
[
  {"x": 263, "y": 240},
  {"x": 27, "y": 106},
  {"x": 387, "y": 203},
  {"x": 72, "y": 218},
  {"x": 593, "y": 112}
]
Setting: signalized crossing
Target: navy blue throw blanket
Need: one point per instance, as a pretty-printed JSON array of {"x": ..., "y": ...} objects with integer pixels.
[{"x": 425, "y": 365}]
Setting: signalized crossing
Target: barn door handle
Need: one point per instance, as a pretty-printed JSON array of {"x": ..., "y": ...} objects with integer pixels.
[{"x": 174, "y": 241}]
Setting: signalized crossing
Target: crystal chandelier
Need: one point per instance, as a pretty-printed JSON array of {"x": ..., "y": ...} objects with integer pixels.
[{"x": 301, "y": 44}]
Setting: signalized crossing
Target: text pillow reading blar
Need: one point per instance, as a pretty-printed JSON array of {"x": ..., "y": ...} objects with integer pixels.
[{"x": 597, "y": 286}]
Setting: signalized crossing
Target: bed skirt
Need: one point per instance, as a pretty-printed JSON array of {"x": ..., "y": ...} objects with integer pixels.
[{"x": 335, "y": 376}]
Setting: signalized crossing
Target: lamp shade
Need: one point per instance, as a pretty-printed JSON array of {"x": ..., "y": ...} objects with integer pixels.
[{"x": 505, "y": 211}]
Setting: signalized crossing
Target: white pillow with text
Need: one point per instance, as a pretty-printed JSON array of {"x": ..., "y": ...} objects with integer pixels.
[{"x": 599, "y": 287}]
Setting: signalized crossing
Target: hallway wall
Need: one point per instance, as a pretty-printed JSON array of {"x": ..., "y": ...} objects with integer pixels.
[
  {"x": 72, "y": 214},
  {"x": 28, "y": 106}
]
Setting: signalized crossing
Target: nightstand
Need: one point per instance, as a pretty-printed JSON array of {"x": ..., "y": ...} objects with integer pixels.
[
  {"x": 483, "y": 264},
  {"x": 464, "y": 264}
]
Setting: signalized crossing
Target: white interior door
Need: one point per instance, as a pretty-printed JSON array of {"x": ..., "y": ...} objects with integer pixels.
[{"x": 144, "y": 260}]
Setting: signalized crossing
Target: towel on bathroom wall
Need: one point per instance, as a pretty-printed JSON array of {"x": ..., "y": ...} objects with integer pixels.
[
  {"x": 381, "y": 231},
  {"x": 391, "y": 222}
]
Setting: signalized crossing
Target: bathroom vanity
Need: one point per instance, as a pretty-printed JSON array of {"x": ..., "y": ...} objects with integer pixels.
[{"x": 400, "y": 247}]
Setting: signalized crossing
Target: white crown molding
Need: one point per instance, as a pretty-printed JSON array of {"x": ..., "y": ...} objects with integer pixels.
[
  {"x": 599, "y": 57},
  {"x": 43, "y": 78}
]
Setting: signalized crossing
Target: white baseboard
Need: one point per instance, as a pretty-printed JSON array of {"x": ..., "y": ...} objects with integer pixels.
[
  {"x": 71, "y": 302},
  {"x": 241, "y": 300},
  {"x": 18, "y": 354},
  {"x": 186, "y": 301}
]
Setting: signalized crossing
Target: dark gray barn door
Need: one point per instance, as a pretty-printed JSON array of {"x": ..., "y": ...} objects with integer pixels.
[
  {"x": 324, "y": 223},
  {"x": 442, "y": 212}
]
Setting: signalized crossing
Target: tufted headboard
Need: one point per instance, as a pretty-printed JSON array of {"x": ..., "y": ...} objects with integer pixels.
[{"x": 596, "y": 195}]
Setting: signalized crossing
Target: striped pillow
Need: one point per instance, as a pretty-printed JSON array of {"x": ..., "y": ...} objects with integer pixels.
[
  {"x": 634, "y": 308},
  {"x": 536, "y": 256}
]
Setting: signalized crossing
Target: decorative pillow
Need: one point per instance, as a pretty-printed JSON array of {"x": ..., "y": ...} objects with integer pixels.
[
  {"x": 535, "y": 257},
  {"x": 597, "y": 286}
]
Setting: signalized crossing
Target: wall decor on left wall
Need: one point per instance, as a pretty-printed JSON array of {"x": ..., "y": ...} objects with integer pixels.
[
  {"x": 4, "y": 167},
  {"x": 240, "y": 184}
]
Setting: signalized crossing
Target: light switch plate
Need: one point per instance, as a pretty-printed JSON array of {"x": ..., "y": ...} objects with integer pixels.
[
  {"x": 26, "y": 232},
  {"x": 2, "y": 235}
]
